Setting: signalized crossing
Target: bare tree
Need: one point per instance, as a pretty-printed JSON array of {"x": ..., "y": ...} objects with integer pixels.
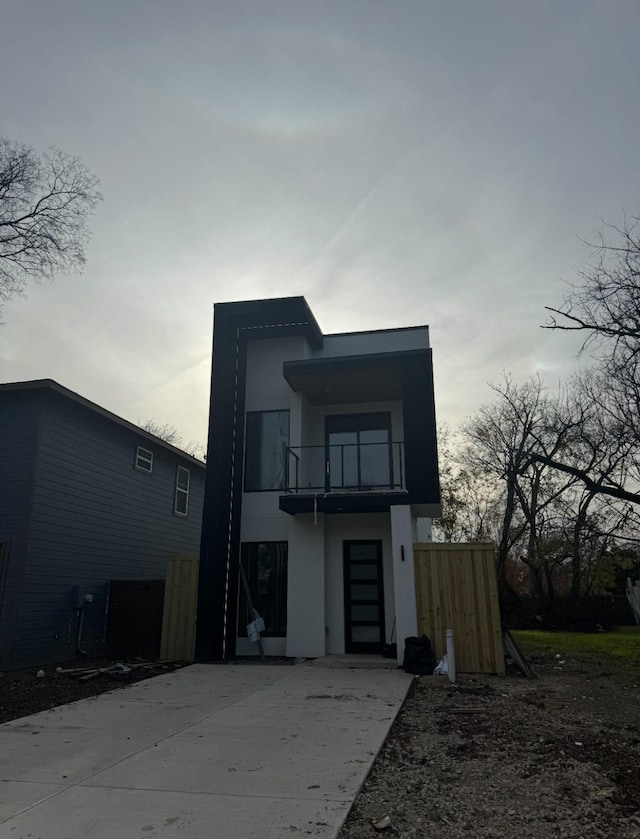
[
  {"x": 601, "y": 452},
  {"x": 606, "y": 305},
  {"x": 453, "y": 504},
  {"x": 539, "y": 491},
  {"x": 170, "y": 434},
  {"x": 601, "y": 449},
  {"x": 478, "y": 508},
  {"x": 45, "y": 201},
  {"x": 505, "y": 439},
  {"x": 167, "y": 432},
  {"x": 552, "y": 521},
  {"x": 195, "y": 449},
  {"x": 500, "y": 437},
  {"x": 471, "y": 499},
  {"x": 605, "y": 308}
]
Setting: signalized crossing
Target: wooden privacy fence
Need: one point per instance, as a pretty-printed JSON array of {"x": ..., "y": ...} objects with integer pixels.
[
  {"x": 179, "y": 613},
  {"x": 456, "y": 588}
]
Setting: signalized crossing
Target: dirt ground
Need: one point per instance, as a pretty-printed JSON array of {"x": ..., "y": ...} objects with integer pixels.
[
  {"x": 515, "y": 758},
  {"x": 23, "y": 693}
]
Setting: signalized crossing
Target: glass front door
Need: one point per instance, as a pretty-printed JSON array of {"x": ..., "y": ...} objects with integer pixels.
[{"x": 363, "y": 597}]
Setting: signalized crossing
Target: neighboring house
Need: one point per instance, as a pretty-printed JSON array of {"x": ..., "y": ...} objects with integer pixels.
[
  {"x": 85, "y": 497},
  {"x": 322, "y": 458}
]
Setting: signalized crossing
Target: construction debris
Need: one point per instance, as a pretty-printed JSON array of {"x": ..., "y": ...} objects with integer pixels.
[
  {"x": 22, "y": 692},
  {"x": 118, "y": 670},
  {"x": 515, "y": 654},
  {"x": 383, "y": 824},
  {"x": 446, "y": 709}
]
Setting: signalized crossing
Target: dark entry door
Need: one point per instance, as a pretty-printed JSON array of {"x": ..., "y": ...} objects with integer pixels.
[{"x": 363, "y": 597}]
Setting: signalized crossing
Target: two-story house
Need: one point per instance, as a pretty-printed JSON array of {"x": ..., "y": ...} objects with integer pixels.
[
  {"x": 322, "y": 456},
  {"x": 85, "y": 498}
]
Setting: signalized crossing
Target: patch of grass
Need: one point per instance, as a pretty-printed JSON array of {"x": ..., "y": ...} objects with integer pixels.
[{"x": 616, "y": 653}]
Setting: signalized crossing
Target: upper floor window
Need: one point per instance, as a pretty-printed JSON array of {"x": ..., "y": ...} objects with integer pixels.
[
  {"x": 267, "y": 438},
  {"x": 144, "y": 459},
  {"x": 359, "y": 451},
  {"x": 181, "y": 501}
]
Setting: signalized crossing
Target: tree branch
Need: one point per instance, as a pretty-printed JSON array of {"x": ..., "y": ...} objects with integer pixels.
[{"x": 593, "y": 486}]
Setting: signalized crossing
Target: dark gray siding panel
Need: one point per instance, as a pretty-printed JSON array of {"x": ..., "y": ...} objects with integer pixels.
[
  {"x": 18, "y": 429},
  {"x": 95, "y": 518},
  {"x": 19, "y": 414}
]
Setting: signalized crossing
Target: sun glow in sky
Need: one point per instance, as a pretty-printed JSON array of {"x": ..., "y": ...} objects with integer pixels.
[{"x": 397, "y": 163}]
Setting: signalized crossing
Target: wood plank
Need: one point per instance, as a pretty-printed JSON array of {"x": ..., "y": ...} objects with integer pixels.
[
  {"x": 447, "y": 584},
  {"x": 483, "y": 612},
  {"x": 463, "y": 626},
  {"x": 447, "y": 566},
  {"x": 443, "y": 547},
  {"x": 464, "y": 636},
  {"x": 179, "y": 615},
  {"x": 514, "y": 651},
  {"x": 439, "y": 618},
  {"x": 471, "y": 619},
  {"x": 495, "y": 616},
  {"x": 432, "y": 595},
  {"x": 456, "y": 588},
  {"x": 418, "y": 569}
]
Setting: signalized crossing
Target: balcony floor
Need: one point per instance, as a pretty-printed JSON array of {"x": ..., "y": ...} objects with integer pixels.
[{"x": 342, "y": 502}]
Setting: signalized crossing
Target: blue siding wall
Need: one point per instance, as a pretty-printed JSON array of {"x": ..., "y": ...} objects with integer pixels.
[
  {"x": 19, "y": 417},
  {"x": 94, "y": 518}
]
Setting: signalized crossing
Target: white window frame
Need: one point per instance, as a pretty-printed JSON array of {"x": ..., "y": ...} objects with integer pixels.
[
  {"x": 144, "y": 460},
  {"x": 180, "y": 491}
]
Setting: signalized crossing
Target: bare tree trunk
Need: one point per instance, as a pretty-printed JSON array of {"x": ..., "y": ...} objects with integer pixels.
[
  {"x": 531, "y": 512},
  {"x": 538, "y": 588},
  {"x": 548, "y": 572},
  {"x": 576, "y": 558},
  {"x": 576, "y": 552},
  {"x": 503, "y": 547}
]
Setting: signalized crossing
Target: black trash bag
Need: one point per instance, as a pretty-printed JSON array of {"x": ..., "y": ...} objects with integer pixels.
[{"x": 419, "y": 658}]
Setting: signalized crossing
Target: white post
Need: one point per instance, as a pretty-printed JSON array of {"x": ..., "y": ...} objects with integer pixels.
[
  {"x": 451, "y": 656},
  {"x": 402, "y": 537},
  {"x": 305, "y": 588}
]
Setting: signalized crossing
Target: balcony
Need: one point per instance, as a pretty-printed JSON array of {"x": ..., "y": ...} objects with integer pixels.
[{"x": 343, "y": 477}]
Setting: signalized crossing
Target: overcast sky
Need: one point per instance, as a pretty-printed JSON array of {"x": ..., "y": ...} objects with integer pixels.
[{"x": 395, "y": 162}]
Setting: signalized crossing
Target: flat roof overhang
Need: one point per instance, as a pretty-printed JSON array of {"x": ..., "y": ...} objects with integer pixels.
[
  {"x": 376, "y": 377},
  {"x": 352, "y": 502},
  {"x": 347, "y": 502}
]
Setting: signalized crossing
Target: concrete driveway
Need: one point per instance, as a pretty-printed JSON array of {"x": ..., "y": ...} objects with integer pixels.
[{"x": 215, "y": 751}]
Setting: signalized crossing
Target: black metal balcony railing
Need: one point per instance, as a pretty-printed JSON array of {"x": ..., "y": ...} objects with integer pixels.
[{"x": 344, "y": 467}]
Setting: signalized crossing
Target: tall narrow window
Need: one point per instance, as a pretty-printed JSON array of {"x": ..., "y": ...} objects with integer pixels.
[
  {"x": 265, "y": 564},
  {"x": 181, "y": 502},
  {"x": 267, "y": 438},
  {"x": 144, "y": 459}
]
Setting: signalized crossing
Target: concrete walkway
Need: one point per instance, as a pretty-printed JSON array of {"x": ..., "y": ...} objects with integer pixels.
[{"x": 209, "y": 751}]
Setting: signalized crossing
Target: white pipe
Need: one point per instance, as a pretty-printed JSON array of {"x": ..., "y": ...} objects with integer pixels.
[{"x": 451, "y": 656}]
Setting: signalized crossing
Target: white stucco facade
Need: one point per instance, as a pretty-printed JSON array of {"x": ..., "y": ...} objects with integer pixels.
[{"x": 316, "y": 553}]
